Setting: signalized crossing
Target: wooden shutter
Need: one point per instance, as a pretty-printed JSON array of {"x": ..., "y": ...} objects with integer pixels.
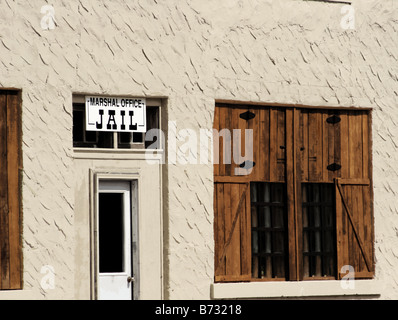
[
  {"x": 354, "y": 226},
  {"x": 10, "y": 203},
  {"x": 269, "y": 143},
  {"x": 318, "y": 145},
  {"x": 354, "y": 196},
  {"x": 334, "y": 147},
  {"x": 232, "y": 232}
]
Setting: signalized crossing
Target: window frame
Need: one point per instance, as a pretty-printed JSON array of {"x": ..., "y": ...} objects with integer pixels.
[
  {"x": 294, "y": 203},
  {"x": 78, "y": 101}
]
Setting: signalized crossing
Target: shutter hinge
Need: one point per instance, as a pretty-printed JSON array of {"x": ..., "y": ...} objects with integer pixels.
[
  {"x": 247, "y": 115},
  {"x": 334, "y": 167},
  {"x": 333, "y": 119}
]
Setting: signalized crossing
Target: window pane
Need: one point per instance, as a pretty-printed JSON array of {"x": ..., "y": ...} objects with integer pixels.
[
  {"x": 269, "y": 237},
  {"x": 152, "y": 122},
  {"x": 78, "y": 126},
  {"x": 105, "y": 140},
  {"x": 91, "y": 136},
  {"x": 110, "y": 233},
  {"x": 318, "y": 220}
]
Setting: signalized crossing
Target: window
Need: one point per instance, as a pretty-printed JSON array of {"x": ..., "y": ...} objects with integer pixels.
[
  {"x": 304, "y": 209},
  {"x": 318, "y": 230},
  {"x": 268, "y": 220},
  {"x": 10, "y": 186},
  {"x": 113, "y": 140}
]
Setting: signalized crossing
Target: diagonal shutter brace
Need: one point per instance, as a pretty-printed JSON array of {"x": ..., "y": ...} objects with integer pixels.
[{"x": 366, "y": 258}]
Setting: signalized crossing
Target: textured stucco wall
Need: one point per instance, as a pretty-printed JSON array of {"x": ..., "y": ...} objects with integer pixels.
[{"x": 190, "y": 52}]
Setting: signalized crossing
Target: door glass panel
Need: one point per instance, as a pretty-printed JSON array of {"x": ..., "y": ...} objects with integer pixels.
[{"x": 110, "y": 231}]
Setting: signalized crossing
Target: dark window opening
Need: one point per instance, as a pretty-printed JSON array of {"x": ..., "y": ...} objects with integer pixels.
[
  {"x": 269, "y": 236},
  {"x": 319, "y": 244},
  {"x": 88, "y": 139}
]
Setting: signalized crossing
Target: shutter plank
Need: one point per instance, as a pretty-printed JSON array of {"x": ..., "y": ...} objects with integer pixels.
[
  {"x": 337, "y": 147},
  {"x": 259, "y": 167},
  {"x": 256, "y": 126},
  {"x": 228, "y": 225},
  {"x": 368, "y": 227},
  {"x": 327, "y": 154},
  {"x": 344, "y": 144},
  {"x": 245, "y": 246},
  {"x": 291, "y": 214},
  {"x": 355, "y": 145},
  {"x": 273, "y": 125},
  {"x": 243, "y": 125},
  {"x": 219, "y": 229},
  {"x": 13, "y": 160},
  {"x": 297, "y": 162},
  {"x": 236, "y": 140},
  {"x": 4, "y": 232},
  {"x": 281, "y": 145},
  {"x": 228, "y": 125},
  {"x": 339, "y": 230},
  {"x": 216, "y": 144},
  {"x": 365, "y": 145},
  {"x": 305, "y": 144},
  {"x": 264, "y": 145},
  {"x": 223, "y": 143},
  {"x": 331, "y": 148},
  {"x": 315, "y": 146},
  {"x": 233, "y": 250}
]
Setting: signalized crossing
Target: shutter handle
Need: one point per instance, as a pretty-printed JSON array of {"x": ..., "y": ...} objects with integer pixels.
[
  {"x": 130, "y": 279},
  {"x": 333, "y": 167}
]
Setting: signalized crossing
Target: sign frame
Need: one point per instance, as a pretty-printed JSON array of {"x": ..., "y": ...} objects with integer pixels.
[{"x": 115, "y": 114}]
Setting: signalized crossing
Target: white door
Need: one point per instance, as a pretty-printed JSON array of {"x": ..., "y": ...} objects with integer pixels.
[{"x": 114, "y": 238}]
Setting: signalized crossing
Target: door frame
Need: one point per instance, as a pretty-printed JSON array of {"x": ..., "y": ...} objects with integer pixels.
[{"x": 133, "y": 178}]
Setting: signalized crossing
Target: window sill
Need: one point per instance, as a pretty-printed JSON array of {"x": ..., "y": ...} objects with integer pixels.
[
  {"x": 112, "y": 154},
  {"x": 293, "y": 289}
]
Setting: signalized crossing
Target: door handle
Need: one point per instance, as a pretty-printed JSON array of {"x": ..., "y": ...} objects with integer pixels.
[{"x": 130, "y": 279}]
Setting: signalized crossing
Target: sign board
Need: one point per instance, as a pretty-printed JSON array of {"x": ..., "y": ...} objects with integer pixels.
[{"x": 115, "y": 114}]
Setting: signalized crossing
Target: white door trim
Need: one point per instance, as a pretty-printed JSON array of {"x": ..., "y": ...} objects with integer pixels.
[
  {"x": 115, "y": 285},
  {"x": 133, "y": 179},
  {"x": 147, "y": 243}
]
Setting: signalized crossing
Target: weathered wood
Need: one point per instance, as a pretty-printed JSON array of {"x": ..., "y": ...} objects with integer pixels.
[
  {"x": 344, "y": 144},
  {"x": 216, "y": 144},
  {"x": 245, "y": 231},
  {"x": 234, "y": 210},
  {"x": 281, "y": 145},
  {"x": 354, "y": 224},
  {"x": 273, "y": 149},
  {"x": 219, "y": 228},
  {"x": 290, "y": 187},
  {"x": 233, "y": 253},
  {"x": 13, "y": 164},
  {"x": 295, "y": 146},
  {"x": 4, "y": 234}
]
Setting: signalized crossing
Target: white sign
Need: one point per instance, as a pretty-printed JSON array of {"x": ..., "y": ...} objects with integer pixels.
[{"x": 115, "y": 114}]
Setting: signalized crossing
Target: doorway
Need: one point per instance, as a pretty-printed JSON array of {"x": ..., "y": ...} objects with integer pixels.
[{"x": 116, "y": 240}]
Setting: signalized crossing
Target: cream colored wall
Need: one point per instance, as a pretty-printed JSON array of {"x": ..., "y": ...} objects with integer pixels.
[{"x": 191, "y": 52}]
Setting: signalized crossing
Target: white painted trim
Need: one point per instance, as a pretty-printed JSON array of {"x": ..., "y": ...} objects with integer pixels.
[
  {"x": 129, "y": 154},
  {"x": 322, "y": 288}
]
